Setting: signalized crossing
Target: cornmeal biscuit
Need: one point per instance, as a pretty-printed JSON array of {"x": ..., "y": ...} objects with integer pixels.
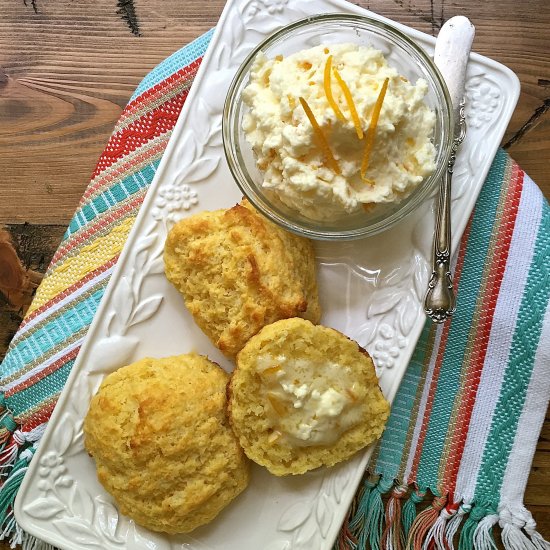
[
  {"x": 239, "y": 272},
  {"x": 163, "y": 447},
  {"x": 304, "y": 396}
]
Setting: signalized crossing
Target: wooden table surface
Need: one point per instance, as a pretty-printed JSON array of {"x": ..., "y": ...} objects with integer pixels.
[{"x": 68, "y": 67}]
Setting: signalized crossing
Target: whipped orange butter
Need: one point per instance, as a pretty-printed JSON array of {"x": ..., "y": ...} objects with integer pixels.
[
  {"x": 334, "y": 128},
  {"x": 308, "y": 410}
]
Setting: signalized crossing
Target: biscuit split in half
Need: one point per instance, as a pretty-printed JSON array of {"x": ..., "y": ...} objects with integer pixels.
[
  {"x": 239, "y": 272},
  {"x": 304, "y": 396}
]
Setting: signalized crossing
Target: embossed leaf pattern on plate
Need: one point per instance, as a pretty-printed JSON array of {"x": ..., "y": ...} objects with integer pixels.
[
  {"x": 107, "y": 521},
  {"x": 44, "y": 508},
  {"x": 309, "y": 520},
  {"x": 75, "y": 514}
]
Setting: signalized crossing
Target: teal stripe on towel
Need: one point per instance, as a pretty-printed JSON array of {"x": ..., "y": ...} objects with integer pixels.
[
  {"x": 174, "y": 63},
  {"x": 518, "y": 371}
]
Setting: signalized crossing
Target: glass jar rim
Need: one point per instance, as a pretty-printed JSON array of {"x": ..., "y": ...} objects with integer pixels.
[{"x": 315, "y": 230}]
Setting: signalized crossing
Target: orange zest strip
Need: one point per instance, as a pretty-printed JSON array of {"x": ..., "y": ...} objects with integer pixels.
[
  {"x": 331, "y": 161},
  {"x": 369, "y": 138},
  {"x": 350, "y": 102},
  {"x": 328, "y": 91},
  {"x": 271, "y": 370}
]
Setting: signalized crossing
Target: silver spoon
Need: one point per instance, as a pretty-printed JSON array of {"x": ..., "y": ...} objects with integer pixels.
[{"x": 452, "y": 49}]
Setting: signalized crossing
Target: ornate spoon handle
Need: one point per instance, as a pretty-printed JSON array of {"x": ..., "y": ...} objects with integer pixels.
[
  {"x": 452, "y": 49},
  {"x": 440, "y": 301}
]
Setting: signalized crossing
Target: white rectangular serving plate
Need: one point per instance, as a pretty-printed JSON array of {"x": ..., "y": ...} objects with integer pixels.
[{"x": 371, "y": 290}]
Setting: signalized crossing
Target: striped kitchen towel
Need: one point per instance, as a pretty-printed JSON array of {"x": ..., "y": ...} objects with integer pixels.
[
  {"x": 465, "y": 422},
  {"x": 466, "y": 419}
]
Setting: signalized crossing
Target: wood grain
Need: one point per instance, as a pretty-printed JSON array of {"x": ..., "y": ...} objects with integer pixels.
[
  {"x": 68, "y": 68},
  {"x": 34, "y": 245}
]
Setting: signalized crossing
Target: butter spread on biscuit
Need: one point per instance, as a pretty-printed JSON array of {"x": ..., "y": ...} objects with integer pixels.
[{"x": 308, "y": 404}]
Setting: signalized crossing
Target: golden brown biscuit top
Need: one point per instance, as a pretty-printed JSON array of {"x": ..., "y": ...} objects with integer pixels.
[{"x": 238, "y": 272}]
